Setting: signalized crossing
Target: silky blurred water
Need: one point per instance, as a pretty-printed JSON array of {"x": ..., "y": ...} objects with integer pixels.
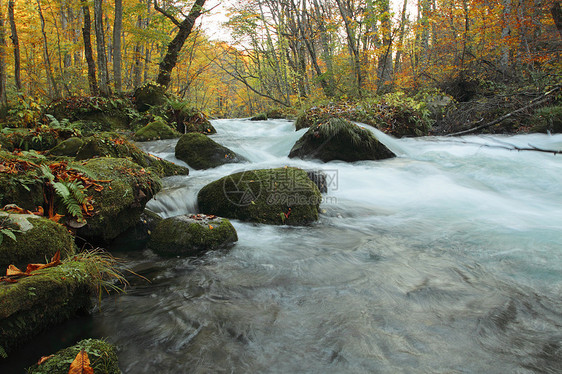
[{"x": 446, "y": 259}]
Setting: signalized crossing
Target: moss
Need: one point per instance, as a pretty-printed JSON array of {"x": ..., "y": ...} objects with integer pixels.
[
  {"x": 201, "y": 152},
  {"x": 259, "y": 117},
  {"x": 110, "y": 144},
  {"x": 38, "y": 139},
  {"x": 191, "y": 235},
  {"x": 40, "y": 239},
  {"x": 122, "y": 200},
  {"x": 69, "y": 147},
  {"x": 24, "y": 188},
  {"x": 156, "y": 130},
  {"x": 102, "y": 355},
  {"x": 203, "y": 127},
  {"x": 149, "y": 95},
  {"x": 547, "y": 119},
  {"x": 339, "y": 139},
  {"x": 272, "y": 196},
  {"x": 43, "y": 300}
]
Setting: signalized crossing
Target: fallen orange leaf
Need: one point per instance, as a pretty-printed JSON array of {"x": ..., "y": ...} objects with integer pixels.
[
  {"x": 81, "y": 364},
  {"x": 12, "y": 270},
  {"x": 43, "y": 359}
]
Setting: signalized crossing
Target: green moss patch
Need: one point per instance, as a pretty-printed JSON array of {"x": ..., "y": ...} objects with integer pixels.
[
  {"x": 37, "y": 239},
  {"x": 339, "y": 139},
  {"x": 201, "y": 152},
  {"x": 547, "y": 119},
  {"x": 102, "y": 355},
  {"x": 69, "y": 147},
  {"x": 43, "y": 300},
  {"x": 149, "y": 95},
  {"x": 273, "y": 196},
  {"x": 156, "y": 130},
  {"x": 191, "y": 235}
]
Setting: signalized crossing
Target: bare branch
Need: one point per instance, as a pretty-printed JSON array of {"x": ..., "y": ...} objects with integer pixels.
[{"x": 168, "y": 15}]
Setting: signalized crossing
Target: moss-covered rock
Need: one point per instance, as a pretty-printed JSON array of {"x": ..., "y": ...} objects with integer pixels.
[
  {"x": 138, "y": 236},
  {"x": 102, "y": 355},
  {"x": 339, "y": 139},
  {"x": 38, "y": 139},
  {"x": 110, "y": 144},
  {"x": 68, "y": 147},
  {"x": 119, "y": 205},
  {"x": 43, "y": 300},
  {"x": 272, "y": 196},
  {"x": 204, "y": 127},
  {"x": 201, "y": 152},
  {"x": 548, "y": 119},
  {"x": 191, "y": 235},
  {"x": 156, "y": 130},
  {"x": 259, "y": 117},
  {"x": 37, "y": 239},
  {"x": 25, "y": 186},
  {"x": 149, "y": 95}
]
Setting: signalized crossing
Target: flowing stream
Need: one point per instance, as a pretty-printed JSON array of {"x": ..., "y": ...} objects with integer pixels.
[{"x": 446, "y": 259}]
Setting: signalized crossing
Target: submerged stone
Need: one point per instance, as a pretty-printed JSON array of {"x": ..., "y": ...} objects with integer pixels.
[
  {"x": 102, "y": 355},
  {"x": 272, "y": 196},
  {"x": 37, "y": 239},
  {"x": 339, "y": 139},
  {"x": 201, "y": 152},
  {"x": 191, "y": 235}
]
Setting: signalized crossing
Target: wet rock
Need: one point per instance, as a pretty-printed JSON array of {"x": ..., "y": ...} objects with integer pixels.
[
  {"x": 273, "y": 196},
  {"x": 339, "y": 139},
  {"x": 259, "y": 117},
  {"x": 201, "y": 152},
  {"x": 69, "y": 147},
  {"x": 191, "y": 235},
  {"x": 155, "y": 130}
]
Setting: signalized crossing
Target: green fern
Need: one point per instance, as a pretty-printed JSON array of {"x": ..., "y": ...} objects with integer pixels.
[{"x": 71, "y": 193}]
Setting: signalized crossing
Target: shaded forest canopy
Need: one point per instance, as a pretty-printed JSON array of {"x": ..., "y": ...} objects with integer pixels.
[{"x": 280, "y": 53}]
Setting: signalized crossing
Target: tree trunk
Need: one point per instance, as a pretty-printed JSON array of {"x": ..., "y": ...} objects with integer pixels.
[
  {"x": 3, "y": 95},
  {"x": 398, "y": 58},
  {"x": 117, "y": 58},
  {"x": 556, "y": 12},
  {"x": 385, "y": 60},
  {"x": 48, "y": 65},
  {"x": 175, "y": 46},
  {"x": 86, "y": 33},
  {"x": 103, "y": 74},
  {"x": 352, "y": 46},
  {"x": 16, "y": 42},
  {"x": 506, "y": 31}
]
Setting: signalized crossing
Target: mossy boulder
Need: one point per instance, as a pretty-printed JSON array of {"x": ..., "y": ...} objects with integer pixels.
[
  {"x": 204, "y": 127},
  {"x": 102, "y": 355},
  {"x": 68, "y": 147},
  {"x": 119, "y": 205},
  {"x": 23, "y": 187},
  {"x": 136, "y": 237},
  {"x": 110, "y": 144},
  {"x": 201, "y": 152},
  {"x": 191, "y": 235},
  {"x": 259, "y": 117},
  {"x": 272, "y": 196},
  {"x": 547, "y": 119},
  {"x": 156, "y": 130},
  {"x": 37, "y": 239},
  {"x": 339, "y": 139},
  {"x": 189, "y": 119},
  {"x": 43, "y": 300},
  {"x": 149, "y": 95}
]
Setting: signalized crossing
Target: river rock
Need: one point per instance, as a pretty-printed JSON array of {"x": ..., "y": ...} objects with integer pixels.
[
  {"x": 273, "y": 196},
  {"x": 102, "y": 355},
  {"x": 155, "y": 130},
  {"x": 259, "y": 117},
  {"x": 37, "y": 239},
  {"x": 69, "y": 147},
  {"x": 191, "y": 235},
  {"x": 149, "y": 95},
  {"x": 201, "y": 152},
  {"x": 43, "y": 300},
  {"x": 339, "y": 139},
  {"x": 120, "y": 203}
]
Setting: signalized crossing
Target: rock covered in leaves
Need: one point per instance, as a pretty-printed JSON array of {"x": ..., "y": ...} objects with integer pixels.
[
  {"x": 339, "y": 139},
  {"x": 43, "y": 300},
  {"x": 37, "y": 238},
  {"x": 156, "y": 130},
  {"x": 191, "y": 235},
  {"x": 117, "y": 206},
  {"x": 201, "y": 152},
  {"x": 272, "y": 196},
  {"x": 109, "y": 144},
  {"x": 101, "y": 355}
]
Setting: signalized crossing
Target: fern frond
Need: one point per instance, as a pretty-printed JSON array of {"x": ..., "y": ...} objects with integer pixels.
[{"x": 61, "y": 189}]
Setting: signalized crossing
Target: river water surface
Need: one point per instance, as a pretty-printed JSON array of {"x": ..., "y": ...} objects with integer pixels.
[{"x": 446, "y": 259}]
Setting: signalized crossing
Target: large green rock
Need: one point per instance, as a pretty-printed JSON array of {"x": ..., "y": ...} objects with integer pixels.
[
  {"x": 110, "y": 144},
  {"x": 37, "y": 239},
  {"x": 43, "y": 300},
  {"x": 102, "y": 356},
  {"x": 201, "y": 152},
  {"x": 191, "y": 235},
  {"x": 273, "y": 196},
  {"x": 156, "y": 130},
  {"x": 149, "y": 95},
  {"x": 69, "y": 147},
  {"x": 339, "y": 139},
  {"x": 118, "y": 206}
]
